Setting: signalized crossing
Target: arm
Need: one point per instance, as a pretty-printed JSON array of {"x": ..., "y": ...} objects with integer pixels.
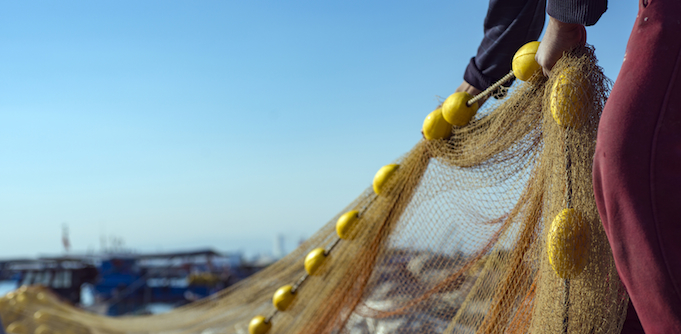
[
  {"x": 508, "y": 26},
  {"x": 565, "y": 31}
]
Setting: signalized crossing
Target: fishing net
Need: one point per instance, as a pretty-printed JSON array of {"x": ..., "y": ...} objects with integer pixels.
[{"x": 458, "y": 241}]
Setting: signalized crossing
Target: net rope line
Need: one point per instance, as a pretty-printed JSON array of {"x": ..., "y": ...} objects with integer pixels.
[
  {"x": 457, "y": 244},
  {"x": 298, "y": 284},
  {"x": 568, "y": 200},
  {"x": 485, "y": 93}
]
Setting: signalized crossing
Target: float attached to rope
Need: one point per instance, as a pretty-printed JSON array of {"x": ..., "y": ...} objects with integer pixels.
[{"x": 460, "y": 107}]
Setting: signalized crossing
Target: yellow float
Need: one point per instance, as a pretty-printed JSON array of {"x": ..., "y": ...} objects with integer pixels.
[
  {"x": 258, "y": 325},
  {"x": 435, "y": 126},
  {"x": 314, "y": 260},
  {"x": 524, "y": 65},
  {"x": 22, "y": 298},
  {"x": 42, "y": 317},
  {"x": 569, "y": 99},
  {"x": 382, "y": 177},
  {"x": 16, "y": 328},
  {"x": 568, "y": 243},
  {"x": 283, "y": 298},
  {"x": 345, "y": 224},
  {"x": 455, "y": 110},
  {"x": 42, "y": 297},
  {"x": 9, "y": 315},
  {"x": 43, "y": 329}
]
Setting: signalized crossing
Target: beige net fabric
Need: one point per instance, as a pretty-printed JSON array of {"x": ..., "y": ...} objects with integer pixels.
[{"x": 457, "y": 243}]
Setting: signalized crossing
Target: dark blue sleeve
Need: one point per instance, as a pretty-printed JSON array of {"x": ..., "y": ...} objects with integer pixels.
[
  {"x": 585, "y": 12},
  {"x": 508, "y": 26}
]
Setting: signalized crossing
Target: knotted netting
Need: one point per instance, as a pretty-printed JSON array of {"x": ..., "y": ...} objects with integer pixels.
[{"x": 458, "y": 240}]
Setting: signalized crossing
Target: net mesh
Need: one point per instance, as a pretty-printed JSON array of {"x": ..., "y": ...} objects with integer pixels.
[{"x": 456, "y": 243}]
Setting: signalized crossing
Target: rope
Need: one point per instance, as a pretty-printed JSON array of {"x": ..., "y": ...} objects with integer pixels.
[
  {"x": 568, "y": 199},
  {"x": 485, "y": 93}
]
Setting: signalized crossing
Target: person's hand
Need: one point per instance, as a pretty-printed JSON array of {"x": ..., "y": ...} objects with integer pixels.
[
  {"x": 468, "y": 88},
  {"x": 559, "y": 37}
]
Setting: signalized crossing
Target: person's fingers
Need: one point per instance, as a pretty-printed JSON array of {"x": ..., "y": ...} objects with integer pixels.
[
  {"x": 559, "y": 37},
  {"x": 470, "y": 89}
]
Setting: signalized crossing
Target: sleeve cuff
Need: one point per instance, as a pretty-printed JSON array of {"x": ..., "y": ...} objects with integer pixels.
[
  {"x": 477, "y": 79},
  {"x": 585, "y": 12}
]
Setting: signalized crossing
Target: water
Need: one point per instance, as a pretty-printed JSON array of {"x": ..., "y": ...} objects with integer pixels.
[
  {"x": 7, "y": 286},
  {"x": 88, "y": 298}
]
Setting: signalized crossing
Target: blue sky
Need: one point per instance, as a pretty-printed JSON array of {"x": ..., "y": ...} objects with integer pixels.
[{"x": 221, "y": 124}]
